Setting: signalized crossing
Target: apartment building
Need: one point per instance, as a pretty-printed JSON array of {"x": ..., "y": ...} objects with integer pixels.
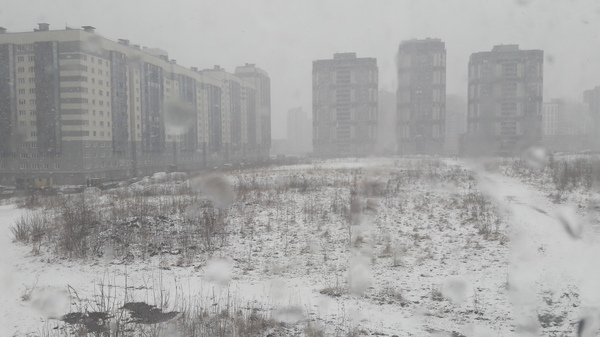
[
  {"x": 550, "y": 118},
  {"x": 421, "y": 97},
  {"x": 505, "y": 101},
  {"x": 298, "y": 132},
  {"x": 76, "y": 106},
  {"x": 456, "y": 123},
  {"x": 345, "y": 94},
  {"x": 591, "y": 98},
  {"x": 257, "y": 108},
  {"x": 566, "y": 126}
]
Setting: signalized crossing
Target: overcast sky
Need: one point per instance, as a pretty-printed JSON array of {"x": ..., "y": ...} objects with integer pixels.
[{"x": 284, "y": 37}]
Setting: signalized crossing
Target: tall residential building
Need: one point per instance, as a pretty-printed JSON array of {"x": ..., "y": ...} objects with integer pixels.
[
  {"x": 456, "y": 123},
  {"x": 550, "y": 118},
  {"x": 345, "y": 105},
  {"x": 386, "y": 128},
  {"x": 505, "y": 101},
  {"x": 257, "y": 116},
  {"x": 298, "y": 131},
  {"x": 565, "y": 126},
  {"x": 421, "y": 96},
  {"x": 592, "y": 100},
  {"x": 76, "y": 106}
]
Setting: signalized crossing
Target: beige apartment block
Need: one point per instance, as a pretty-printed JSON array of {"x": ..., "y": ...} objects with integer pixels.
[{"x": 78, "y": 107}]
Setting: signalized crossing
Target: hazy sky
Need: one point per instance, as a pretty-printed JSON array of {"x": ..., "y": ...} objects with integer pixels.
[{"x": 284, "y": 37}]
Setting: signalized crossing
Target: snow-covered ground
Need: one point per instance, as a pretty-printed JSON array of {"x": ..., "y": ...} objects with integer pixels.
[{"x": 424, "y": 247}]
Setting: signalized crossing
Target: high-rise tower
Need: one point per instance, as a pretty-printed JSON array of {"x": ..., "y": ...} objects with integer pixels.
[
  {"x": 505, "y": 101},
  {"x": 345, "y": 91},
  {"x": 421, "y": 97}
]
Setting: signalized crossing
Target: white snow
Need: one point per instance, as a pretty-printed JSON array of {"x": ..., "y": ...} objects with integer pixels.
[{"x": 283, "y": 259}]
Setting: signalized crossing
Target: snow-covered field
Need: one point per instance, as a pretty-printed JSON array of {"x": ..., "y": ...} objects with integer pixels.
[{"x": 405, "y": 246}]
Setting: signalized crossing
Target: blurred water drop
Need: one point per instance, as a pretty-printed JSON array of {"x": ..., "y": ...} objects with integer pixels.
[
  {"x": 218, "y": 270},
  {"x": 289, "y": 315},
  {"x": 588, "y": 326},
  {"x": 179, "y": 116},
  {"x": 51, "y": 302},
  {"x": 278, "y": 289},
  {"x": 570, "y": 221},
  {"x": 359, "y": 274},
  {"x": 536, "y": 157},
  {"x": 92, "y": 45},
  {"x": 216, "y": 187},
  {"x": 455, "y": 289}
]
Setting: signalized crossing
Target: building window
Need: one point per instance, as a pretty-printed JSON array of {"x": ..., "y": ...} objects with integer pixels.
[
  {"x": 21, "y": 80},
  {"x": 31, "y": 69},
  {"x": 21, "y": 69},
  {"x": 32, "y": 101},
  {"x": 56, "y": 165},
  {"x": 509, "y": 70},
  {"x": 32, "y": 90},
  {"x": 21, "y": 59},
  {"x": 21, "y": 112},
  {"x": 33, "y": 133},
  {"x": 31, "y": 58},
  {"x": 21, "y": 102},
  {"x": 21, "y": 91},
  {"x": 32, "y": 80}
]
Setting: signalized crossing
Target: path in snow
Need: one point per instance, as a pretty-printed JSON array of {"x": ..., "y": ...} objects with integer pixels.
[{"x": 547, "y": 254}]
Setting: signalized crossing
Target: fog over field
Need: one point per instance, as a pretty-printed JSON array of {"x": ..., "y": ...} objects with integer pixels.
[
  {"x": 284, "y": 38},
  {"x": 299, "y": 168}
]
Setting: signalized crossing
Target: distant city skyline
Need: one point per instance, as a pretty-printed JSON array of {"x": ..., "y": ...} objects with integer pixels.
[{"x": 284, "y": 38}]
